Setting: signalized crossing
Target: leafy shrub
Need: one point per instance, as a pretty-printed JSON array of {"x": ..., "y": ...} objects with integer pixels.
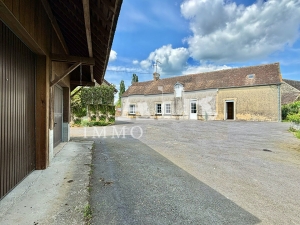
[
  {"x": 102, "y": 118},
  {"x": 294, "y": 118},
  {"x": 284, "y": 111},
  {"x": 77, "y": 121},
  {"x": 111, "y": 119},
  {"x": 290, "y": 109},
  {"x": 100, "y": 123}
]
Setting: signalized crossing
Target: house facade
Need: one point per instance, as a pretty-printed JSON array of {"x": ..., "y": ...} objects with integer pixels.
[
  {"x": 47, "y": 49},
  {"x": 248, "y": 93}
]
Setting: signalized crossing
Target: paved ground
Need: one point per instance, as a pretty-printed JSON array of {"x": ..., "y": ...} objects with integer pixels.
[
  {"x": 57, "y": 195},
  {"x": 193, "y": 172}
]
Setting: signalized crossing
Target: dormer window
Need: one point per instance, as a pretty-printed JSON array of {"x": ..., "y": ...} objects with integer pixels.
[
  {"x": 178, "y": 88},
  {"x": 250, "y": 76}
]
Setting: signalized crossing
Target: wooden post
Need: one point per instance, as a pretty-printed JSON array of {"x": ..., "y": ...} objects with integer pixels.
[{"x": 42, "y": 112}]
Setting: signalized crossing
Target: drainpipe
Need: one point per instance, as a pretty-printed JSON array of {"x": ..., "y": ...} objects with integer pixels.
[{"x": 279, "y": 103}]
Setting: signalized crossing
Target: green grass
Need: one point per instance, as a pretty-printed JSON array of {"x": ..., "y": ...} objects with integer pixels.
[
  {"x": 87, "y": 212},
  {"x": 295, "y": 132}
]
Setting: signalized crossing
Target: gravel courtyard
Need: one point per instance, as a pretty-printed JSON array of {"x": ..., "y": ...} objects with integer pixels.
[{"x": 194, "y": 172}]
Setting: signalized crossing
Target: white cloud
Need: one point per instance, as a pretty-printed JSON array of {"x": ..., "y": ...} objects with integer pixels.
[
  {"x": 113, "y": 55},
  {"x": 124, "y": 69},
  {"x": 171, "y": 60},
  {"x": 204, "y": 68},
  {"x": 135, "y": 62},
  {"x": 225, "y": 32}
]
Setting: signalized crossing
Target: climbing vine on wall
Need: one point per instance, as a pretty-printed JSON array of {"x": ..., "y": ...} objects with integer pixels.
[
  {"x": 98, "y": 95},
  {"x": 94, "y": 102}
]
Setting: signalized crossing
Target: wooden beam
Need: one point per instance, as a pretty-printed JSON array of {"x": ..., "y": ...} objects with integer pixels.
[
  {"x": 14, "y": 24},
  {"x": 42, "y": 106},
  {"x": 79, "y": 89},
  {"x": 87, "y": 21},
  {"x": 106, "y": 20},
  {"x": 110, "y": 39},
  {"x": 109, "y": 5},
  {"x": 73, "y": 59},
  {"x": 55, "y": 25},
  {"x": 66, "y": 73},
  {"x": 82, "y": 83}
]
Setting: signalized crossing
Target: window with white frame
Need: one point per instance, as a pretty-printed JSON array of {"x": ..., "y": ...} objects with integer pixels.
[
  {"x": 158, "y": 108},
  {"x": 168, "y": 108},
  {"x": 178, "y": 90},
  {"x": 132, "y": 109}
]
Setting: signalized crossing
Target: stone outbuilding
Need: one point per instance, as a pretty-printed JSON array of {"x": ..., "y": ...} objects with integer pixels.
[
  {"x": 249, "y": 93},
  {"x": 290, "y": 91}
]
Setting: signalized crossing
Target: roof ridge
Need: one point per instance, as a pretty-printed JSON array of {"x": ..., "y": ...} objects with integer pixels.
[
  {"x": 214, "y": 71},
  {"x": 267, "y": 74},
  {"x": 290, "y": 80},
  {"x": 234, "y": 68}
]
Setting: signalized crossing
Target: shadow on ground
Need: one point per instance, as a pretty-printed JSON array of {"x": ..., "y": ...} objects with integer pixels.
[{"x": 133, "y": 184}]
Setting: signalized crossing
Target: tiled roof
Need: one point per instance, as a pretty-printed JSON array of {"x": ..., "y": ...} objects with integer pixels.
[
  {"x": 236, "y": 77},
  {"x": 290, "y": 97},
  {"x": 293, "y": 83}
]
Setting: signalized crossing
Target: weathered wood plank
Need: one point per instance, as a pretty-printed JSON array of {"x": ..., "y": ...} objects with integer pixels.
[
  {"x": 66, "y": 73},
  {"x": 10, "y": 20},
  {"x": 87, "y": 21},
  {"x": 55, "y": 25},
  {"x": 82, "y": 83},
  {"x": 42, "y": 112},
  {"x": 72, "y": 59},
  {"x": 16, "y": 8}
]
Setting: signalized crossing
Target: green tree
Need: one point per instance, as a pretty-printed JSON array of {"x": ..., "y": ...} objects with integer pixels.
[
  {"x": 122, "y": 88},
  {"x": 135, "y": 78}
]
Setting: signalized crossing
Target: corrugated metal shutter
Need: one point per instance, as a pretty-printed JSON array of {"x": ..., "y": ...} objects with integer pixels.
[{"x": 17, "y": 112}]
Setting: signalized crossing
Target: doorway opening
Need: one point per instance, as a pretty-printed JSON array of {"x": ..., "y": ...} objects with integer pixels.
[
  {"x": 230, "y": 111},
  {"x": 193, "y": 109}
]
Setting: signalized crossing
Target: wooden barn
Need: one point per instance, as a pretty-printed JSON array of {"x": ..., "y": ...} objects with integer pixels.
[{"x": 47, "y": 48}]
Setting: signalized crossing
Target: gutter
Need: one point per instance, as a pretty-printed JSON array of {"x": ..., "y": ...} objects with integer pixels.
[{"x": 279, "y": 103}]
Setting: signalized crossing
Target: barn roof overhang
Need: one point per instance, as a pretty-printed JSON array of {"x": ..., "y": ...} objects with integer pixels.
[{"x": 85, "y": 29}]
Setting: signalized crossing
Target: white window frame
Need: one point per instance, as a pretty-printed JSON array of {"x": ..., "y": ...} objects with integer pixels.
[
  {"x": 178, "y": 89},
  {"x": 156, "y": 108},
  {"x": 133, "y": 111},
  {"x": 169, "y": 104}
]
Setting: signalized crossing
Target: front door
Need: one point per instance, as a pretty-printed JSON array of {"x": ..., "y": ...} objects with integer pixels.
[
  {"x": 58, "y": 112},
  {"x": 230, "y": 110},
  {"x": 193, "y": 109}
]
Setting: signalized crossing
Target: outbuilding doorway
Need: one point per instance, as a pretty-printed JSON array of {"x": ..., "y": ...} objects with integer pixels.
[
  {"x": 58, "y": 115},
  {"x": 229, "y": 115}
]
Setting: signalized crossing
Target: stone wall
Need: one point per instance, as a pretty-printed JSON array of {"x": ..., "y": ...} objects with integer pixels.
[
  {"x": 180, "y": 106},
  {"x": 259, "y": 103}
]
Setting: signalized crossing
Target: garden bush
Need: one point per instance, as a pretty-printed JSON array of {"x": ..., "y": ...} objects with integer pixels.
[{"x": 290, "y": 109}]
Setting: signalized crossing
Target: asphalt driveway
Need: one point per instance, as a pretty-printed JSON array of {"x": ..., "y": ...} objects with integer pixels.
[{"x": 193, "y": 172}]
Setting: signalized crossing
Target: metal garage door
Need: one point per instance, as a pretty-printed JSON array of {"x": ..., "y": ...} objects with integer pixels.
[
  {"x": 58, "y": 114},
  {"x": 17, "y": 112}
]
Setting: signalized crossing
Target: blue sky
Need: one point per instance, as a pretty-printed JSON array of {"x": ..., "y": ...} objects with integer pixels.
[{"x": 192, "y": 36}]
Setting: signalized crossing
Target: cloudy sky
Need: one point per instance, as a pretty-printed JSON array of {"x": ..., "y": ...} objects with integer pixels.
[{"x": 191, "y": 36}]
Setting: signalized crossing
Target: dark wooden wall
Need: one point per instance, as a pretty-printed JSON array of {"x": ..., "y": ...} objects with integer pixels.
[{"x": 29, "y": 21}]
